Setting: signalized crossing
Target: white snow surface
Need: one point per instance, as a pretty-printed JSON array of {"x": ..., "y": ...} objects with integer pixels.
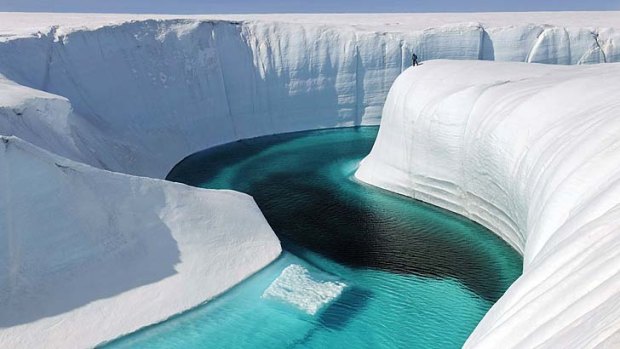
[
  {"x": 296, "y": 286},
  {"x": 145, "y": 91},
  {"x": 88, "y": 255},
  {"x": 532, "y": 152},
  {"x": 136, "y": 93}
]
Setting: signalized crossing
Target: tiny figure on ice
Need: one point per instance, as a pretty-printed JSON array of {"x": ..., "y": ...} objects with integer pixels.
[{"x": 414, "y": 60}]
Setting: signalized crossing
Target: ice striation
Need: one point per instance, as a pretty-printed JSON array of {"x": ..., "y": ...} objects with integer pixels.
[
  {"x": 531, "y": 152},
  {"x": 135, "y": 94}
]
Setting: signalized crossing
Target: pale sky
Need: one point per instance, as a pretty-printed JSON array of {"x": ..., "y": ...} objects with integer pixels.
[{"x": 290, "y": 6}]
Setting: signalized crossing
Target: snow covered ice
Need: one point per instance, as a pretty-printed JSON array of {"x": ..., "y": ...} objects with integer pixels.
[
  {"x": 144, "y": 94},
  {"x": 88, "y": 255},
  {"x": 531, "y": 152},
  {"x": 82, "y": 95}
]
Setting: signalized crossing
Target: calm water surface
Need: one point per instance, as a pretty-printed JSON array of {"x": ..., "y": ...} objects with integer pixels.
[{"x": 416, "y": 276}]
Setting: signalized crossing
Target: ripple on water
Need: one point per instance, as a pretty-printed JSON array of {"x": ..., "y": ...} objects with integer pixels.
[{"x": 415, "y": 275}]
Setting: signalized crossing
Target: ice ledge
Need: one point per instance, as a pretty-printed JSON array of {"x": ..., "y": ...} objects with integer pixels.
[
  {"x": 297, "y": 287},
  {"x": 532, "y": 152}
]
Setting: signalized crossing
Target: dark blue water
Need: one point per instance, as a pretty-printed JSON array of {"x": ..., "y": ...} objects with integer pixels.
[{"x": 412, "y": 275}]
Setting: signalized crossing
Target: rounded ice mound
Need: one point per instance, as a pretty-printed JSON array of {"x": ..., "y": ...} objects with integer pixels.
[{"x": 298, "y": 287}]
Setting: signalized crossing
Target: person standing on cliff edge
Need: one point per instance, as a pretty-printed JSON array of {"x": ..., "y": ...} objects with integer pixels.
[{"x": 414, "y": 60}]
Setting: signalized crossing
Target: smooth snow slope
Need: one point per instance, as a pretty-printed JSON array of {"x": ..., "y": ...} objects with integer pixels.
[
  {"x": 88, "y": 255},
  {"x": 146, "y": 93},
  {"x": 532, "y": 152}
]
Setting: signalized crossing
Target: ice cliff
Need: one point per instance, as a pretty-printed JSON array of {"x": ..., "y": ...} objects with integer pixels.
[
  {"x": 532, "y": 152},
  {"x": 146, "y": 93},
  {"x": 135, "y": 94}
]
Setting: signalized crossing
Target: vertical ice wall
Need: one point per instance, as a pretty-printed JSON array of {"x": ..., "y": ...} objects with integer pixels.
[{"x": 157, "y": 90}]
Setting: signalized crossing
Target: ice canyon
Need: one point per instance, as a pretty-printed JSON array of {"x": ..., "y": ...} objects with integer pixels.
[{"x": 93, "y": 105}]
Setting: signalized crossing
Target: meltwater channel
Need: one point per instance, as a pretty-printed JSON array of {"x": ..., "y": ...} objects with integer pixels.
[{"x": 362, "y": 267}]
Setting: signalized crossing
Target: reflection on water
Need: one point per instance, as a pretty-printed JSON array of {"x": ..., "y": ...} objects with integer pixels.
[{"x": 416, "y": 275}]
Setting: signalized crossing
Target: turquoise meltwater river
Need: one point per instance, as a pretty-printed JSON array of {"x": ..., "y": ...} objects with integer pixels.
[{"x": 362, "y": 267}]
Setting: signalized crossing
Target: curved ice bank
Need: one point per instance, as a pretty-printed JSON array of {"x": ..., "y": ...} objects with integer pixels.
[
  {"x": 142, "y": 92},
  {"x": 532, "y": 152},
  {"x": 87, "y": 255}
]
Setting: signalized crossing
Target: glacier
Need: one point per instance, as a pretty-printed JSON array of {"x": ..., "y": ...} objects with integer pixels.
[
  {"x": 532, "y": 153},
  {"x": 186, "y": 84},
  {"x": 92, "y": 104}
]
